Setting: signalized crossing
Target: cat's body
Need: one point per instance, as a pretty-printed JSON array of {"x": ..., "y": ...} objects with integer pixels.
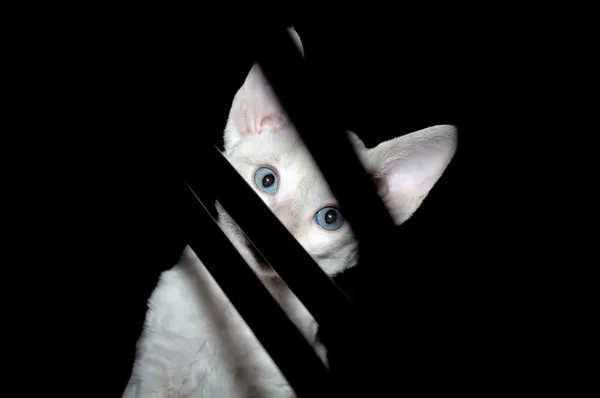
[{"x": 194, "y": 343}]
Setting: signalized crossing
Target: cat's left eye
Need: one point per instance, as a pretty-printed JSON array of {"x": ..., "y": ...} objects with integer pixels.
[
  {"x": 266, "y": 180},
  {"x": 329, "y": 218}
]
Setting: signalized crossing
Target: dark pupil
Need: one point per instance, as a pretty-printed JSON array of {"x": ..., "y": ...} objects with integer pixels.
[
  {"x": 268, "y": 180},
  {"x": 330, "y": 216}
]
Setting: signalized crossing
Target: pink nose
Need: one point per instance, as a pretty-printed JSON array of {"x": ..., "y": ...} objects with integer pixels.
[{"x": 289, "y": 220}]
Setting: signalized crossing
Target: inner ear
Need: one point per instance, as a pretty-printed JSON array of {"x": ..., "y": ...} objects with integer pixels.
[
  {"x": 406, "y": 168},
  {"x": 255, "y": 108},
  {"x": 258, "y": 109}
]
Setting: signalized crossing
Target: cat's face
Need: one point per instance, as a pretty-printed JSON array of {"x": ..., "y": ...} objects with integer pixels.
[
  {"x": 266, "y": 150},
  {"x": 284, "y": 175}
]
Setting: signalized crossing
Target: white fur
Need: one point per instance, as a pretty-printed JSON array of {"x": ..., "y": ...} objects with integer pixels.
[{"x": 194, "y": 342}]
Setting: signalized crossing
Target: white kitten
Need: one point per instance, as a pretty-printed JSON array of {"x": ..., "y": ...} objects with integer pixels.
[{"x": 194, "y": 343}]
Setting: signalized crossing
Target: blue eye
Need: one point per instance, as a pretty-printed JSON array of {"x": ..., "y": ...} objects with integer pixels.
[
  {"x": 266, "y": 180},
  {"x": 329, "y": 218}
]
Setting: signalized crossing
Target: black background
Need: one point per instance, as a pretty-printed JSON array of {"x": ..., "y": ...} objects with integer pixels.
[
  {"x": 138, "y": 95},
  {"x": 387, "y": 86},
  {"x": 105, "y": 101}
]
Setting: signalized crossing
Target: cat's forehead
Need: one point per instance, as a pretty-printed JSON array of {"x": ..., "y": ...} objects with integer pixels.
[
  {"x": 285, "y": 151},
  {"x": 270, "y": 146},
  {"x": 284, "y": 148}
]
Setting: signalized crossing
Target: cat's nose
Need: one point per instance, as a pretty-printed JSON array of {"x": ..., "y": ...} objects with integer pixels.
[{"x": 289, "y": 220}]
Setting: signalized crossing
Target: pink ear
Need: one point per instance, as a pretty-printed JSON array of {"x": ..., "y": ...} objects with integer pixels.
[
  {"x": 255, "y": 108},
  {"x": 406, "y": 168}
]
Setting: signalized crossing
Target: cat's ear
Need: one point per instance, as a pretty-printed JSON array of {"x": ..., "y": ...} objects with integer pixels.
[
  {"x": 406, "y": 168},
  {"x": 255, "y": 108}
]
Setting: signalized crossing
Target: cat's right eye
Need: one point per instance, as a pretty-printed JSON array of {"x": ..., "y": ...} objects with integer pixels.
[
  {"x": 266, "y": 180},
  {"x": 329, "y": 218}
]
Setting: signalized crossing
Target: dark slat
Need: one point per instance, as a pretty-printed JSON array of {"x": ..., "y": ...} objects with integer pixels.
[
  {"x": 327, "y": 141},
  {"x": 309, "y": 110},
  {"x": 321, "y": 296},
  {"x": 298, "y": 362}
]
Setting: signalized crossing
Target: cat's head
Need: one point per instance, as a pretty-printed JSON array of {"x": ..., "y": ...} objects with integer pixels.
[{"x": 265, "y": 149}]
